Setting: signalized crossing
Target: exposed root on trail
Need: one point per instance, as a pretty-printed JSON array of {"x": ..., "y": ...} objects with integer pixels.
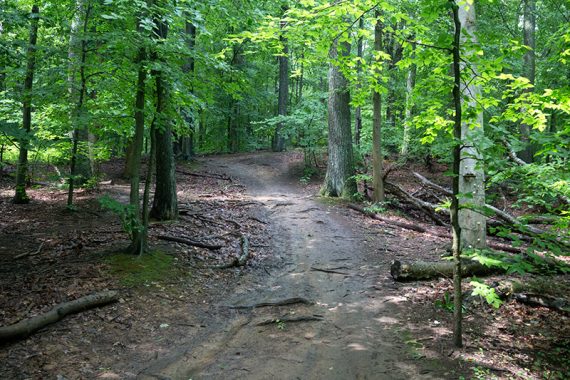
[{"x": 284, "y": 302}]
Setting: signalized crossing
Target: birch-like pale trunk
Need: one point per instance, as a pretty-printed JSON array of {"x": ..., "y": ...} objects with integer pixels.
[{"x": 471, "y": 173}]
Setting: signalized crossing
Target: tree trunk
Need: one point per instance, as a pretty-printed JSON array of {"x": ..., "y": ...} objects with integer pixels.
[
  {"x": 377, "y": 155},
  {"x": 165, "y": 203},
  {"x": 529, "y": 70},
  {"x": 139, "y": 235},
  {"x": 454, "y": 212},
  {"x": 20, "y": 196},
  {"x": 471, "y": 174},
  {"x": 80, "y": 165},
  {"x": 410, "y": 84},
  {"x": 184, "y": 147},
  {"x": 358, "y": 111},
  {"x": 340, "y": 166},
  {"x": 278, "y": 138}
]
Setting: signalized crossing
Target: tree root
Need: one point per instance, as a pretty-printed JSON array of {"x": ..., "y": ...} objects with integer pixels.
[
  {"x": 285, "y": 302},
  {"x": 189, "y": 242},
  {"x": 242, "y": 259},
  {"x": 287, "y": 319}
]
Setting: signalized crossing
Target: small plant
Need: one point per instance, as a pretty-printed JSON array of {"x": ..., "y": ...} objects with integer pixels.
[
  {"x": 447, "y": 303},
  {"x": 377, "y": 208},
  {"x": 485, "y": 291},
  {"x": 129, "y": 220},
  {"x": 280, "y": 324}
]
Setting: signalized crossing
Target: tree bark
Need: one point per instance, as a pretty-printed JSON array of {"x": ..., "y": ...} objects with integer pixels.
[
  {"x": 139, "y": 236},
  {"x": 339, "y": 180},
  {"x": 455, "y": 224},
  {"x": 421, "y": 270},
  {"x": 410, "y": 84},
  {"x": 377, "y": 155},
  {"x": 529, "y": 70},
  {"x": 184, "y": 146},
  {"x": 471, "y": 174},
  {"x": 358, "y": 111},
  {"x": 20, "y": 196},
  {"x": 28, "y": 326},
  {"x": 80, "y": 165},
  {"x": 165, "y": 203},
  {"x": 278, "y": 139}
]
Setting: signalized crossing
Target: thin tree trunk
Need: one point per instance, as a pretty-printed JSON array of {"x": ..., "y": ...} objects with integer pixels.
[
  {"x": 339, "y": 181},
  {"x": 184, "y": 146},
  {"x": 139, "y": 235},
  {"x": 165, "y": 203},
  {"x": 80, "y": 167},
  {"x": 377, "y": 155},
  {"x": 358, "y": 111},
  {"x": 529, "y": 70},
  {"x": 20, "y": 196},
  {"x": 410, "y": 84},
  {"x": 472, "y": 175},
  {"x": 455, "y": 226},
  {"x": 278, "y": 138}
]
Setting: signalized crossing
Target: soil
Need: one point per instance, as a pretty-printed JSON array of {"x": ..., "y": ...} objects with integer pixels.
[{"x": 315, "y": 300}]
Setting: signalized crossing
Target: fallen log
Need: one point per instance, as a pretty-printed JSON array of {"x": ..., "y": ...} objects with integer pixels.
[
  {"x": 422, "y": 270},
  {"x": 505, "y": 217},
  {"x": 28, "y": 326},
  {"x": 414, "y": 227},
  {"x": 558, "y": 304},
  {"x": 426, "y": 207},
  {"x": 189, "y": 242},
  {"x": 243, "y": 257}
]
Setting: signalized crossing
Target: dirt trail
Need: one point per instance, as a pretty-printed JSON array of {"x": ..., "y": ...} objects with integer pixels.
[{"x": 353, "y": 327}]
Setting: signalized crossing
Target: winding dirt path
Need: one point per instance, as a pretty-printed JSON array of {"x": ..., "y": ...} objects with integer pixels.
[{"x": 350, "y": 330}]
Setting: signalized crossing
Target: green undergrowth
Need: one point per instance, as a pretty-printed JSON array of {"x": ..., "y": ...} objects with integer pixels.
[{"x": 133, "y": 271}]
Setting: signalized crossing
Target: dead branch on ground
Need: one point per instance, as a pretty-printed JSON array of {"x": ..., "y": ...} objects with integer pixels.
[{"x": 28, "y": 326}]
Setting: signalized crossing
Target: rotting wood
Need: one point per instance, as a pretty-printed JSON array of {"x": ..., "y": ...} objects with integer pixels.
[
  {"x": 422, "y": 270},
  {"x": 287, "y": 319},
  {"x": 243, "y": 257},
  {"x": 193, "y": 243},
  {"x": 284, "y": 302},
  {"x": 558, "y": 304},
  {"x": 28, "y": 326}
]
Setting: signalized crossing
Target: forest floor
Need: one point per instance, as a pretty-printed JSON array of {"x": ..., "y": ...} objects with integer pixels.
[{"x": 315, "y": 300}]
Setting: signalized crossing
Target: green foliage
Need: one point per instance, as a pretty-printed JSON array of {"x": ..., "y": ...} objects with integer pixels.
[
  {"x": 486, "y": 292},
  {"x": 446, "y": 303},
  {"x": 130, "y": 221}
]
